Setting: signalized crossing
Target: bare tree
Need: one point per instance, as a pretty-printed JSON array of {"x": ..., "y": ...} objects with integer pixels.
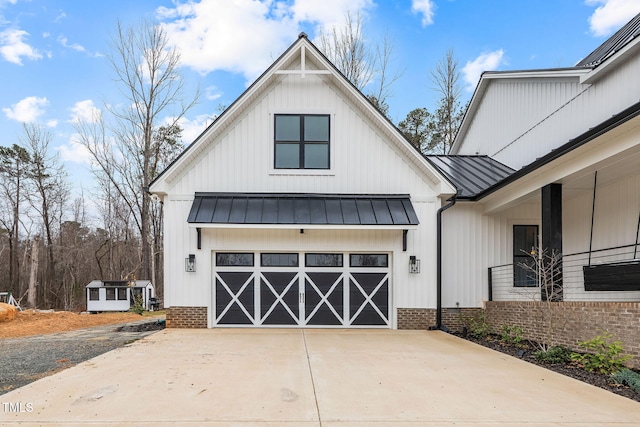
[
  {"x": 50, "y": 187},
  {"x": 446, "y": 78},
  {"x": 361, "y": 64},
  {"x": 14, "y": 172},
  {"x": 543, "y": 267},
  {"x": 148, "y": 76}
]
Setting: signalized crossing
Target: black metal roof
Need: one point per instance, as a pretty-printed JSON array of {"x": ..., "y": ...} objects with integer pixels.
[
  {"x": 613, "y": 44},
  {"x": 302, "y": 209},
  {"x": 471, "y": 174}
]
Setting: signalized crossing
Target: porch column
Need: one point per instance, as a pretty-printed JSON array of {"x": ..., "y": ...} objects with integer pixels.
[{"x": 552, "y": 242}]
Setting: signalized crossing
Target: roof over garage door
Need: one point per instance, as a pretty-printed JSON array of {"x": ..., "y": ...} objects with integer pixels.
[{"x": 385, "y": 211}]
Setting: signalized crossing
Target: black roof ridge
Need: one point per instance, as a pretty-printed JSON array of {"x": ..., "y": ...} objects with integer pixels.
[{"x": 613, "y": 44}]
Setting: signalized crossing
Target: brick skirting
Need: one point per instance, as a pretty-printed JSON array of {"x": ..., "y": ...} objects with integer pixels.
[
  {"x": 454, "y": 319},
  {"x": 186, "y": 317},
  {"x": 571, "y": 322}
]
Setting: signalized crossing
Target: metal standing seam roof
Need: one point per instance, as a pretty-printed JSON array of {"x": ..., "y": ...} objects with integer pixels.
[
  {"x": 470, "y": 174},
  {"x": 613, "y": 44},
  {"x": 302, "y": 209}
]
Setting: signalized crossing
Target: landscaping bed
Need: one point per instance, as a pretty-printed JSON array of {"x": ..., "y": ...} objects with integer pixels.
[{"x": 525, "y": 351}]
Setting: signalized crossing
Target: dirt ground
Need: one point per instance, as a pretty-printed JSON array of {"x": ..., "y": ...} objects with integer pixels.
[{"x": 33, "y": 322}]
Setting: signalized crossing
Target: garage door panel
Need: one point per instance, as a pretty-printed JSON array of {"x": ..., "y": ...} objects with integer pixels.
[
  {"x": 279, "y": 298},
  {"x": 235, "y": 298},
  {"x": 369, "y": 299},
  {"x": 319, "y": 292},
  {"x": 324, "y": 299}
]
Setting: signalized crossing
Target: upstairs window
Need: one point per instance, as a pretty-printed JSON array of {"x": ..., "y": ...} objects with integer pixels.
[{"x": 301, "y": 141}]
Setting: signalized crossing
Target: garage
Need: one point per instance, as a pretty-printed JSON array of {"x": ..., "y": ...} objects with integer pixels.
[{"x": 301, "y": 289}]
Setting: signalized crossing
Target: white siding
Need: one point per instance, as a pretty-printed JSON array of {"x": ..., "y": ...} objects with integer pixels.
[
  {"x": 520, "y": 120},
  {"x": 471, "y": 243},
  {"x": 362, "y": 160},
  {"x": 615, "y": 224}
]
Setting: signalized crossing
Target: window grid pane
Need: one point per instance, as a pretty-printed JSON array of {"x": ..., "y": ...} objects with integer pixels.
[
  {"x": 279, "y": 260},
  {"x": 229, "y": 259},
  {"x": 316, "y": 128},
  {"x": 301, "y": 141},
  {"x": 323, "y": 260},
  {"x": 369, "y": 260}
]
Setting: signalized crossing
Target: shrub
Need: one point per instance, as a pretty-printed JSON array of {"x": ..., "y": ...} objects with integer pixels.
[
  {"x": 627, "y": 377},
  {"x": 478, "y": 326},
  {"x": 554, "y": 355},
  {"x": 512, "y": 335},
  {"x": 603, "y": 355},
  {"x": 138, "y": 304}
]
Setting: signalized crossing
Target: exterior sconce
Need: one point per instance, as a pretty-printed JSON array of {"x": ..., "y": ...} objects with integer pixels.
[
  {"x": 190, "y": 263},
  {"x": 414, "y": 265}
]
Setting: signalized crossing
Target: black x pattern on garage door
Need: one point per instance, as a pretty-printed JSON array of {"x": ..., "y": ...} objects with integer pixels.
[{"x": 314, "y": 289}]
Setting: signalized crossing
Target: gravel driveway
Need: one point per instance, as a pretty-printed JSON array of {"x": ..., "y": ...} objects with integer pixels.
[{"x": 26, "y": 359}]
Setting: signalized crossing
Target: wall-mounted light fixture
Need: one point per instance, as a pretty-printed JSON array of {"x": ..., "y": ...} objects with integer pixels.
[
  {"x": 190, "y": 263},
  {"x": 414, "y": 265}
]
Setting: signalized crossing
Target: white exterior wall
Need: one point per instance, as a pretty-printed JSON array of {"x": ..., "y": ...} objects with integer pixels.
[
  {"x": 615, "y": 224},
  {"x": 521, "y": 120},
  {"x": 241, "y": 160},
  {"x": 471, "y": 243},
  {"x": 106, "y": 305}
]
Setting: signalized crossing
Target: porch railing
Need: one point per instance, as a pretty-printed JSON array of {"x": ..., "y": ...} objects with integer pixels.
[{"x": 503, "y": 287}]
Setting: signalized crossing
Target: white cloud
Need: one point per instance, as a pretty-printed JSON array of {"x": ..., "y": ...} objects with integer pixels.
[
  {"x": 75, "y": 152},
  {"x": 13, "y": 48},
  {"x": 426, "y": 8},
  {"x": 610, "y": 15},
  {"x": 52, "y": 123},
  {"x": 27, "y": 109},
  {"x": 65, "y": 42},
  {"x": 84, "y": 111},
  {"x": 212, "y": 93},
  {"x": 191, "y": 129},
  {"x": 486, "y": 62},
  {"x": 244, "y": 36}
]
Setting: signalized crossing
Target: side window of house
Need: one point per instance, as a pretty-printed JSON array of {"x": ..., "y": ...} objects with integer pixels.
[
  {"x": 301, "y": 141},
  {"x": 94, "y": 294},
  {"x": 525, "y": 245},
  {"x": 122, "y": 294},
  {"x": 111, "y": 294}
]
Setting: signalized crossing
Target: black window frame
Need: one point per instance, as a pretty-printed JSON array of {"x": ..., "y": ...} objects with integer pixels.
[
  {"x": 338, "y": 256},
  {"x": 231, "y": 263},
  {"x": 524, "y": 277},
  {"x": 278, "y": 264},
  {"x": 385, "y": 264},
  {"x": 94, "y": 294},
  {"x": 121, "y": 294},
  {"x": 111, "y": 294},
  {"x": 301, "y": 142}
]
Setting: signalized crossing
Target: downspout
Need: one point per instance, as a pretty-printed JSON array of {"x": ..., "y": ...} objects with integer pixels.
[{"x": 438, "y": 325}]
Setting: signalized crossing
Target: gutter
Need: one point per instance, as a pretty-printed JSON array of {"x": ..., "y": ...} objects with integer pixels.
[{"x": 439, "y": 325}]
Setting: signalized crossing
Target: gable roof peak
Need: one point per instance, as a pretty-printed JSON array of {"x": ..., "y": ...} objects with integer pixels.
[{"x": 303, "y": 35}]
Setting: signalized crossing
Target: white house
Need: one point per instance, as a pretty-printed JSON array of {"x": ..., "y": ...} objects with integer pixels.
[
  {"x": 301, "y": 205},
  {"x": 118, "y": 295},
  {"x": 571, "y": 137}
]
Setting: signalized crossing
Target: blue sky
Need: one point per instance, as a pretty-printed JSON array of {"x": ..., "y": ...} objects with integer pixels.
[{"x": 54, "y": 69}]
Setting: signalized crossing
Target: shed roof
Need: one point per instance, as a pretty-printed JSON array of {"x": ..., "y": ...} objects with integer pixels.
[
  {"x": 471, "y": 174},
  {"x": 302, "y": 209},
  {"x": 117, "y": 283}
]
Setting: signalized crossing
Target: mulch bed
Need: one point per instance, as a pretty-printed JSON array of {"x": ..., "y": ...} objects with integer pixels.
[{"x": 571, "y": 370}]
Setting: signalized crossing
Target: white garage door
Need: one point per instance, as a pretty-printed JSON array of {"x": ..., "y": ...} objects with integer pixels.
[{"x": 301, "y": 289}]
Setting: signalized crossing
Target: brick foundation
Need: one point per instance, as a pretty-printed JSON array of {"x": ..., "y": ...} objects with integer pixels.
[
  {"x": 423, "y": 318},
  {"x": 571, "y": 322},
  {"x": 186, "y": 317}
]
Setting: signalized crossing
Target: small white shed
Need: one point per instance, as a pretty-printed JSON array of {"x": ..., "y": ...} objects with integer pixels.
[{"x": 118, "y": 295}]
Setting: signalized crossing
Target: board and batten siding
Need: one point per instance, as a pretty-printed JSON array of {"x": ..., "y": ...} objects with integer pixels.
[
  {"x": 524, "y": 119},
  {"x": 615, "y": 223},
  {"x": 241, "y": 160},
  {"x": 471, "y": 243}
]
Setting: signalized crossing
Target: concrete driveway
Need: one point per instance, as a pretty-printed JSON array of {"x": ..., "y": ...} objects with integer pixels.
[{"x": 311, "y": 378}]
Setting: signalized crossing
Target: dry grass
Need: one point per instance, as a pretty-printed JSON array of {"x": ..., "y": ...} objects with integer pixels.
[{"x": 33, "y": 322}]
